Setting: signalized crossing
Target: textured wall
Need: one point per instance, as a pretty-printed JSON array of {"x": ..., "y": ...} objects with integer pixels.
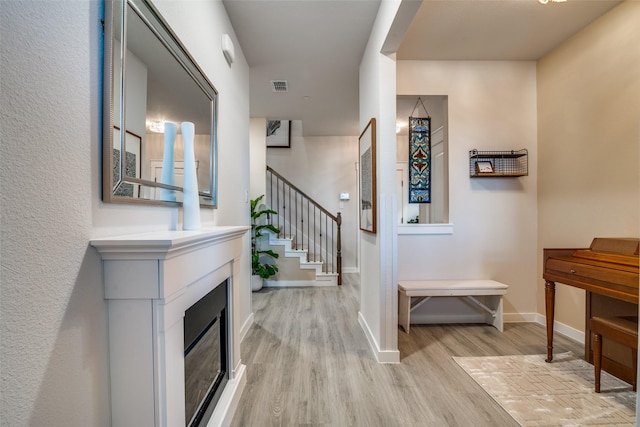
[
  {"x": 53, "y": 329},
  {"x": 54, "y": 342}
]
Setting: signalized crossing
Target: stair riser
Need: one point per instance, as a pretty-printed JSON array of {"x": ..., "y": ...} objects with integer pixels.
[{"x": 322, "y": 279}]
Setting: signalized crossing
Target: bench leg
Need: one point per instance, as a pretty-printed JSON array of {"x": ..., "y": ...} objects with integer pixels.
[
  {"x": 493, "y": 309},
  {"x": 404, "y": 311},
  {"x": 497, "y": 321}
]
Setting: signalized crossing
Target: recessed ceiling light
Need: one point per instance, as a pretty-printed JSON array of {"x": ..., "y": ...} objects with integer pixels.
[{"x": 156, "y": 126}]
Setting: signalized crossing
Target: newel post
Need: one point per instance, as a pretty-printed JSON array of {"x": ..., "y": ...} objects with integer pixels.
[{"x": 339, "y": 249}]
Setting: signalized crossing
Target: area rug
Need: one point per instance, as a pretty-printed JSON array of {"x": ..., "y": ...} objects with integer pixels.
[{"x": 536, "y": 393}]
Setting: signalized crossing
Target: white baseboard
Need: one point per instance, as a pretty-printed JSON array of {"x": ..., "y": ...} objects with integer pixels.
[
  {"x": 244, "y": 330},
  {"x": 350, "y": 270},
  {"x": 382, "y": 356},
  {"x": 563, "y": 329},
  {"x": 298, "y": 283},
  {"x": 434, "y": 319},
  {"x": 559, "y": 328},
  {"x": 520, "y": 317},
  {"x": 229, "y": 399}
]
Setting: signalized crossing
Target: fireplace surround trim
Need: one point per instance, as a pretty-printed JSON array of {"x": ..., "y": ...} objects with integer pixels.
[{"x": 150, "y": 280}]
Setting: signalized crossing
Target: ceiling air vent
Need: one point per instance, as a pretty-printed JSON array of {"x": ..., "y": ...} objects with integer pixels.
[{"x": 279, "y": 86}]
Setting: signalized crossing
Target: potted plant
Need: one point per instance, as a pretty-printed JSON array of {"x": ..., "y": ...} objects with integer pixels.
[{"x": 262, "y": 266}]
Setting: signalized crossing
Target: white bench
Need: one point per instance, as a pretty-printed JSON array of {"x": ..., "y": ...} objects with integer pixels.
[{"x": 423, "y": 290}]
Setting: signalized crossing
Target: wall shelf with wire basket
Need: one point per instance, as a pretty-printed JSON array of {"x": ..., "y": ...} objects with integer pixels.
[{"x": 498, "y": 164}]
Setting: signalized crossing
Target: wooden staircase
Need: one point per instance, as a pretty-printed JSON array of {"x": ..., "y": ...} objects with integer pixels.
[
  {"x": 309, "y": 244},
  {"x": 297, "y": 267}
]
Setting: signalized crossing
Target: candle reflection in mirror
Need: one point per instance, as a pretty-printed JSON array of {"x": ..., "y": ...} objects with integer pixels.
[
  {"x": 191, "y": 198},
  {"x": 168, "y": 172}
]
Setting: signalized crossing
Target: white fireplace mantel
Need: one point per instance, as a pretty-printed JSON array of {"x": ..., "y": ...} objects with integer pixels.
[{"x": 150, "y": 280}]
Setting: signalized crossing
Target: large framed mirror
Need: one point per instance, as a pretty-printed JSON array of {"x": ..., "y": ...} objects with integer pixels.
[{"x": 150, "y": 80}]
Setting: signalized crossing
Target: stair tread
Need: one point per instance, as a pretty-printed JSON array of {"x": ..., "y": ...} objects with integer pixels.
[{"x": 308, "y": 260}]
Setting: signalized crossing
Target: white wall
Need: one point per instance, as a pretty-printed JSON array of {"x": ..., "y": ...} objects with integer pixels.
[
  {"x": 378, "y": 297},
  {"x": 324, "y": 167},
  {"x": 54, "y": 348},
  {"x": 136, "y": 86},
  {"x": 258, "y": 157},
  {"x": 492, "y": 106}
]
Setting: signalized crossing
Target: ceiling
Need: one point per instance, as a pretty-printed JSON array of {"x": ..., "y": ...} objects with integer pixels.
[{"x": 316, "y": 46}]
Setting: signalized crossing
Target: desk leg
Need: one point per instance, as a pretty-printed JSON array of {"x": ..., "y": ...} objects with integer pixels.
[{"x": 550, "y": 302}]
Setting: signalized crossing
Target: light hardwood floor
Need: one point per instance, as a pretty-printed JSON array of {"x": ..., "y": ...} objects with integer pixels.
[{"x": 309, "y": 364}]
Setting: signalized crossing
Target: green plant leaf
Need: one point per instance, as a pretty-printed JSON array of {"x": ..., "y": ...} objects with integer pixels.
[
  {"x": 270, "y": 227},
  {"x": 263, "y": 269},
  {"x": 269, "y": 252}
]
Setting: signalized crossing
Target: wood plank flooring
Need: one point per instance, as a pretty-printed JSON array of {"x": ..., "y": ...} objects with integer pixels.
[{"x": 309, "y": 364}]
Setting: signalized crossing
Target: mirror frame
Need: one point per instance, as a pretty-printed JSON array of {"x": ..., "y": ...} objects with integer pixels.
[{"x": 117, "y": 9}]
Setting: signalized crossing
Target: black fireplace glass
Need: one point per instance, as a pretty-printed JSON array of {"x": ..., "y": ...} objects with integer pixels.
[{"x": 205, "y": 356}]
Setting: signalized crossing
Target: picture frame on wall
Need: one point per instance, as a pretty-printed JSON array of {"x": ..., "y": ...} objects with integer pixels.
[
  {"x": 132, "y": 166},
  {"x": 367, "y": 184},
  {"x": 484, "y": 166},
  {"x": 279, "y": 133}
]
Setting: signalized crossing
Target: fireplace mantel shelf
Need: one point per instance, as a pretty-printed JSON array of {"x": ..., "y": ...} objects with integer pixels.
[
  {"x": 150, "y": 280},
  {"x": 163, "y": 244}
]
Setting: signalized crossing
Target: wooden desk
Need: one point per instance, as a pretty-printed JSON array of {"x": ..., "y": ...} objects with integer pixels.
[{"x": 608, "y": 272}]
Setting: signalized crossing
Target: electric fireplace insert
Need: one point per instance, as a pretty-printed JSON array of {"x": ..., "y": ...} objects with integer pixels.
[{"x": 205, "y": 355}]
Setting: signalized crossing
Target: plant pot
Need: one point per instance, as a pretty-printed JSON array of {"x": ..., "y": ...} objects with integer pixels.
[{"x": 256, "y": 282}]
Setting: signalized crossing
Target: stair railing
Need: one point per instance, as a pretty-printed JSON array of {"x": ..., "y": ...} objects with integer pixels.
[{"x": 306, "y": 221}]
